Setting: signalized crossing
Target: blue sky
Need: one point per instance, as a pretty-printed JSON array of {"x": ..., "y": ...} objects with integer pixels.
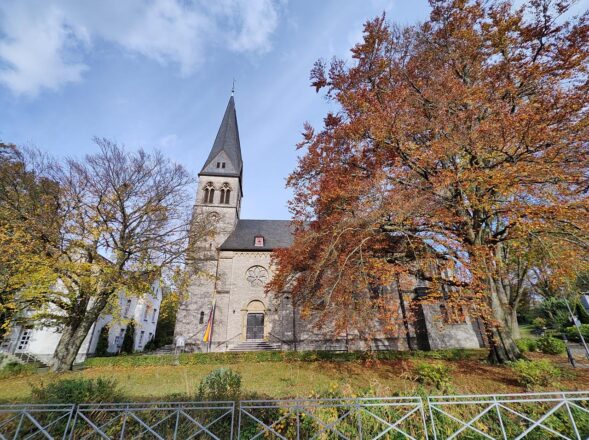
[{"x": 158, "y": 74}]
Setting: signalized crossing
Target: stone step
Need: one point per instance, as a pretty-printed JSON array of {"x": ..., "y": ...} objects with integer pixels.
[
  {"x": 29, "y": 358},
  {"x": 166, "y": 349},
  {"x": 254, "y": 346}
]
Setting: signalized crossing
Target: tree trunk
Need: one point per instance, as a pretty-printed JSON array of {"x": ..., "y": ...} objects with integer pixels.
[
  {"x": 502, "y": 344},
  {"x": 73, "y": 335},
  {"x": 69, "y": 345},
  {"x": 513, "y": 325}
]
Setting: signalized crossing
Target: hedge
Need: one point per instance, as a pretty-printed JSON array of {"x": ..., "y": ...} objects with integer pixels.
[{"x": 136, "y": 360}]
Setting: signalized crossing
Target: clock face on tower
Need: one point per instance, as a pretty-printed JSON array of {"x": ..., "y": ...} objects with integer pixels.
[{"x": 213, "y": 217}]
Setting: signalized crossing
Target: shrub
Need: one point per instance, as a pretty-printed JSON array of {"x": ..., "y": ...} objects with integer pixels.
[
  {"x": 526, "y": 344},
  {"x": 128, "y": 345},
  {"x": 166, "y": 324},
  {"x": 535, "y": 373},
  {"x": 539, "y": 323},
  {"x": 437, "y": 375},
  {"x": 102, "y": 343},
  {"x": 220, "y": 384},
  {"x": 150, "y": 346},
  {"x": 550, "y": 345},
  {"x": 78, "y": 391},
  {"x": 13, "y": 368},
  {"x": 556, "y": 313},
  {"x": 227, "y": 358},
  {"x": 582, "y": 313},
  {"x": 573, "y": 334}
]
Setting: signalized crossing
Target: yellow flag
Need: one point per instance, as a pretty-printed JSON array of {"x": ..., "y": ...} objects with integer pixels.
[{"x": 209, "y": 330}]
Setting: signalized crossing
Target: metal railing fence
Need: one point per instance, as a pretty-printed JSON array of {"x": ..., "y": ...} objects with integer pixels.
[
  {"x": 511, "y": 416},
  {"x": 158, "y": 420},
  {"x": 35, "y": 421},
  {"x": 559, "y": 415},
  {"x": 362, "y": 418}
]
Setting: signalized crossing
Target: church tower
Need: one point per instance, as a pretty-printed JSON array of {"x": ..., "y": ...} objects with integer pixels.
[
  {"x": 219, "y": 182},
  {"x": 218, "y": 203}
]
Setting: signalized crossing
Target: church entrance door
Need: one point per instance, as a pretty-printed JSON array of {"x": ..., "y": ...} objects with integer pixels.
[{"x": 255, "y": 326}]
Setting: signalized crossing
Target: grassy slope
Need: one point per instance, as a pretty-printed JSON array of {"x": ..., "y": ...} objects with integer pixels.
[{"x": 298, "y": 378}]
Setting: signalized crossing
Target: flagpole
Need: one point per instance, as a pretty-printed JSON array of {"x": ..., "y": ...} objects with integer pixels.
[
  {"x": 212, "y": 323},
  {"x": 208, "y": 336}
]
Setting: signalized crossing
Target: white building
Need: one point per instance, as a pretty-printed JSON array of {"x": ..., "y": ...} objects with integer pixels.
[{"x": 31, "y": 342}]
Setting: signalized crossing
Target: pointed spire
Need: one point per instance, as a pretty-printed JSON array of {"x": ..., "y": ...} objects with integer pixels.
[{"x": 225, "y": 156}]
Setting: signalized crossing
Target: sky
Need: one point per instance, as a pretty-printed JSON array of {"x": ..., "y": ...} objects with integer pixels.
[{"x": 157, "y": 74}]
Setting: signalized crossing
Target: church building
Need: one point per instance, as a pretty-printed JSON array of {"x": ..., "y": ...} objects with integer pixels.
[{"x": 226, "y": 308}]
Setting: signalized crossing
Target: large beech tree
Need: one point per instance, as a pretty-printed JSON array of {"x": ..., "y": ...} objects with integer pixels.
[
  {"x": 467, "y": 134},
  {"x": 112, "y": 222},
  {"x": 24, "y": 194}
]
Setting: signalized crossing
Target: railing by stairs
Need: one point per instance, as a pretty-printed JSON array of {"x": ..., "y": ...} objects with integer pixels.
[{"x": 29, "y": 358}]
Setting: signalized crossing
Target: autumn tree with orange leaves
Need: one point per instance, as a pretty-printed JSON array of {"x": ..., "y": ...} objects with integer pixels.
[{"x": 466, "y": 138}]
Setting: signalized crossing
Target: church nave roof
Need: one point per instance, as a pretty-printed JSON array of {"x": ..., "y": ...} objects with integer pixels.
[{"x": 277, "y": 234}]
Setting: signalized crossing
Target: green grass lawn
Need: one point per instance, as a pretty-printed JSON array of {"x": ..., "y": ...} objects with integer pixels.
[
  {"x": 526, "y": 331},
  {"x": 277, "y": 378}
]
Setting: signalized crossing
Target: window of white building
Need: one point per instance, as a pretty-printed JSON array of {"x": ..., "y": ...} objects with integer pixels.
[
  {"x": 119, "y": 339},
  {"x": 153, "y": 315},
  {"x": 146, "y": 313},
  {"x": 141, "y": 338},
  {"x": 25, "y": 338},
  {"x": 127, "y": 308}
]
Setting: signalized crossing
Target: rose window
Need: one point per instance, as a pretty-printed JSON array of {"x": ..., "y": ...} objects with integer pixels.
[{"x": 257, "y": 276}]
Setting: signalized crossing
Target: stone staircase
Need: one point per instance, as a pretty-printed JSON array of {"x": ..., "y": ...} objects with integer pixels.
[
  {"x": 254, "y": 345},
  {"x": 166, "y": 349},
  {"x": 28, "y": 358}
]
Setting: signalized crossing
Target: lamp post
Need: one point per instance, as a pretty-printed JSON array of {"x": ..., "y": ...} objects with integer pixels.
[{"x": 576, "y": 322}]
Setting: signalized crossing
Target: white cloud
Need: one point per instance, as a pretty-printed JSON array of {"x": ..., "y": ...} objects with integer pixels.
[
  {"x": 35, "y": 54},
  {"x": 258, "y": 20},
  {"x": 43, "y": 42}
]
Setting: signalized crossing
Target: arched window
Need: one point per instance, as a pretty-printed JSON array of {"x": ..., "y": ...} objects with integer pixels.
[
  {"x": 225, "y": 194},
  {"x": 202, "y": 318},
  {"x": 209, "y": 193}
]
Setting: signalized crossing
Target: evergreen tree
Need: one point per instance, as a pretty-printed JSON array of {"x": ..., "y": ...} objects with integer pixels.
[
  {"x": 164, "y": 333},
  {"x": 102, "y": 344},
  {"x": 582, "y": 314},
  {"x": 129, "y": 339}
]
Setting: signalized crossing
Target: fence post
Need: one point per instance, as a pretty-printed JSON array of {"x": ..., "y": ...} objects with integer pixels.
[
  {"x": 423, "y": 418},
  {"x": 239, "y": 421},
  {"x": 500, "y": 418},
  {"x": 298, "y": 422},
  {"x": 124, "y": 423},
  {"x": 232, "y": 419},
  {"x": 431, "y": 418},
  {"x": 359, "y": 417},
  {"x": 177, "y": 423},
  {"x": 566, "y": 403},
  {"x": 22, "y": 416},
  {"x": 71, "y": 424}
]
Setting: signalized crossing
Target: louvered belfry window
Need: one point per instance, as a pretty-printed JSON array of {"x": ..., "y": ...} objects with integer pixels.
[
  {"x": 209, "y": 193},
  {"x": 225, "y": 194}
]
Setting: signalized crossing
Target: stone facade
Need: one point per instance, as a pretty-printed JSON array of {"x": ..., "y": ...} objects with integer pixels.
[{"x": 237, "y": 265}]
